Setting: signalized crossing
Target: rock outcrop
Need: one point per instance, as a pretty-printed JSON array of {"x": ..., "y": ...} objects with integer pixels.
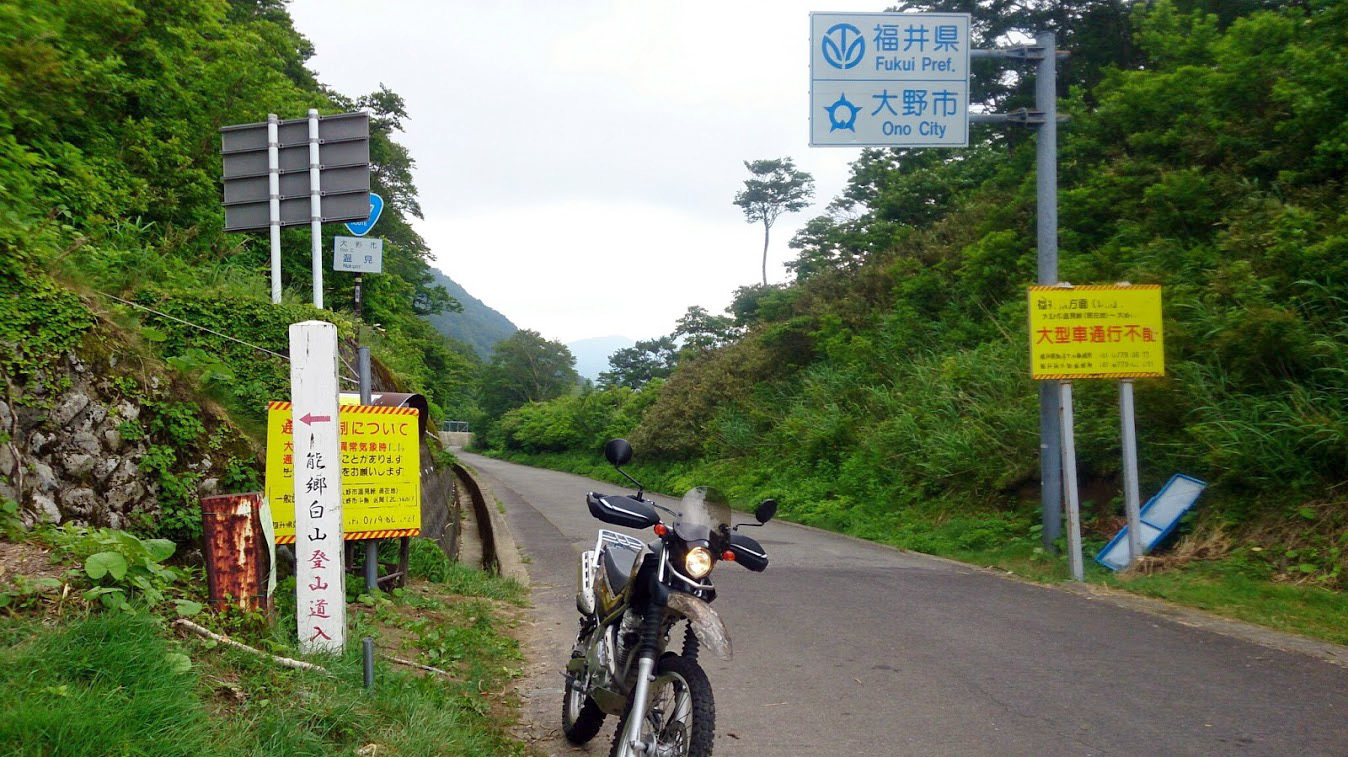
[{"x": 76, "y": 446}]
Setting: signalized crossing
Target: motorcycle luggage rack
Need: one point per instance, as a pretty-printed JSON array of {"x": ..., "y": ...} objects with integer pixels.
[{"x": 607, "y": 537}]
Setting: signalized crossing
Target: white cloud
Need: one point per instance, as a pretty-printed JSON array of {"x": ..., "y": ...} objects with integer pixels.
[
  {"x": 577, "y": 161},
  {"x": 588, "y": 268}
]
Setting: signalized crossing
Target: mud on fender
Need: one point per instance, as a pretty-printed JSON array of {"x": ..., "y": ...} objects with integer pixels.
[{"x": 705, "y": 622}]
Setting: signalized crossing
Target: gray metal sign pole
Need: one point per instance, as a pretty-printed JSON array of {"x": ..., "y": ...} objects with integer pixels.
[
  {"x": 274, "y": 203},
  {"x": 315, "y": 208},
  {"x": 366, "y": 392},
  {"x": 1069, "y": 475},
  {"x": 1131, "y": 495},
  {"x": 1045, "y": 116},
  {"x": 1046, "y": 211}
]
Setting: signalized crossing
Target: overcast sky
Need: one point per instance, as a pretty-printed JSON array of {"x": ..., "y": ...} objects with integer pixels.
[{"x": 577, "y": 160}]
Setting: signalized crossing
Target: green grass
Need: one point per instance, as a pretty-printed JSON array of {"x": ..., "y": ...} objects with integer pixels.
[
  {"x": 1225, "y": 587},
  {"x": 117, "y": 683},
  {"x": 104, "y": 685},
  {"x": 427, "y": 562},
  {"x": 472, "y": 582}
]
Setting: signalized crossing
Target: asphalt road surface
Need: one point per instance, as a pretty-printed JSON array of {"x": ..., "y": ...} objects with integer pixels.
[{"x": 843, "y": 647}]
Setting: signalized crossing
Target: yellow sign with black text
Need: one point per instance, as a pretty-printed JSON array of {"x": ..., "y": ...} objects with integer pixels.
[
  {"x": 1087, "y": 332},
  {"x": 381, "y": 470}
]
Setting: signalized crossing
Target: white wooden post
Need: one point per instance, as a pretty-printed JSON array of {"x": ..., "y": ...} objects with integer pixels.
[{"x": 319, "y": 574}]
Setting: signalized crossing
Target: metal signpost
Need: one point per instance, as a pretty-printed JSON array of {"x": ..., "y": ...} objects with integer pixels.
[
  {"x": 317, "y": 489},
  {"x": 905, "y": 92},
  {"x": 358, "y": 256},
  {"x": 361, "y": 256},
  {"x": 1097, "y": 332},
  {"x": 312, "y": 170},
  {"x": 1045, "y": 54},
  {"x": 889, "y": 79}
]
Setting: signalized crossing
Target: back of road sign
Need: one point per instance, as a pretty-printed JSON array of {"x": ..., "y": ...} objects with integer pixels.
[{"x": 889, "y": 79}]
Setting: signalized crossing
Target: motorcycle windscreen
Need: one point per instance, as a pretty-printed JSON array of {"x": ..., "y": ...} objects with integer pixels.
[{"x": 705, "y": 506}]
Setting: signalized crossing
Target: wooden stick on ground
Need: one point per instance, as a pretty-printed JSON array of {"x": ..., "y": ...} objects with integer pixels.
[
  {"x": 411, "y": 664},
  {"x": 284, "y": 661}
]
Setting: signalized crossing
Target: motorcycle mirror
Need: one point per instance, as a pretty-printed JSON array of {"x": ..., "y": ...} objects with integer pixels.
[
  {"x": 618, "y": 452},
  {"x": 765, "y": 510}
]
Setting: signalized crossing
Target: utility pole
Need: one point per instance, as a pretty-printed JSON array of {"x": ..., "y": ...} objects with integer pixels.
[{"x": 1044, "y": 52}]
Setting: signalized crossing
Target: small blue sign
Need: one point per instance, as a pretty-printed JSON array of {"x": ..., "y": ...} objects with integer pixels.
[{"x": 361, "y": 228}]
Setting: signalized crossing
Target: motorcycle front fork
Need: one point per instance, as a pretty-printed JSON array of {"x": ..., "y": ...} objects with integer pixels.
[
  {"x": 649, "y": 649},
  {"x": 632, "y": 732}
]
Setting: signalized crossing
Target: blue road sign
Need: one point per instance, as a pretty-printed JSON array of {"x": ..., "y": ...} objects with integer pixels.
[
  {"x": 1159, "y": 517},
  {"x": 361, "y": 228},
  {"x": 889, "y": 79}
]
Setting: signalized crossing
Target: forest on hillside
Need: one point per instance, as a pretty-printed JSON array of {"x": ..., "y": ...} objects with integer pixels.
[
  {"x": 109, "y": 159},
  {"x": 885, "y": 390}
]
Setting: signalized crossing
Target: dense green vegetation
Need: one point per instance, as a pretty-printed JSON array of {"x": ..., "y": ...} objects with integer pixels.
[
  {"x": 884, "y": 392},
  {"x": 119, "y": 683},
  {"x": 109, "y": 164}
]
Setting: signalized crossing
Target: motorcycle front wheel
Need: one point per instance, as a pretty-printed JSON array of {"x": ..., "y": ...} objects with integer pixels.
[
  {"x": 581, "y": 717},
  {"x": 681, "y": 716}
]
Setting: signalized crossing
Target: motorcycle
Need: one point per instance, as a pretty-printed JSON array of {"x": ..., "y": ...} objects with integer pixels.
[{"x": 631, "y": 596}]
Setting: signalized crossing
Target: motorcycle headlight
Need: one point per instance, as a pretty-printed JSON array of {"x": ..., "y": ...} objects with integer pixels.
[{"x": 697, "y": 563}]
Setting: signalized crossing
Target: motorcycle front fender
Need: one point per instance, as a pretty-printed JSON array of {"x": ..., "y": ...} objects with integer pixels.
[{"x": 705, "y": 622}]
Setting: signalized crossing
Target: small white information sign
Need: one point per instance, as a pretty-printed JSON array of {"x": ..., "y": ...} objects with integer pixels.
[
  {"x": 320, "y": 581},
  {"x": 357, "y": 254},
  {"x": 889, "y": 79}
]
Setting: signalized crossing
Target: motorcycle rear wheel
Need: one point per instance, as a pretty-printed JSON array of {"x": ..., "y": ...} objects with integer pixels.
[{"x": 681, "y": 715}]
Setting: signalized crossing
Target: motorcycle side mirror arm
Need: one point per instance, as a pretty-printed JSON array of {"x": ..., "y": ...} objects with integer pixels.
[{"x": 640, "y": 488}]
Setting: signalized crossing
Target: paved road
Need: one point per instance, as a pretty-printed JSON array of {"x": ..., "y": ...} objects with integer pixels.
[{"x": 844, "y": 647}]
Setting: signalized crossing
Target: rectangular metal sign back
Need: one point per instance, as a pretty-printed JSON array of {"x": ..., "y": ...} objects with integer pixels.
[
  {"x": 381, "y": 471},
  {"x": 344, "y": 171},
  {"x": 1090, "y": 332},
  {"x": 889, "y": 79}
]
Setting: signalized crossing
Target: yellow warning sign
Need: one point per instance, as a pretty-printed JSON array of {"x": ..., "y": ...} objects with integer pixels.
[
  {"x": 1096, "y": 332},
  {"x": 381, "y": 470}
]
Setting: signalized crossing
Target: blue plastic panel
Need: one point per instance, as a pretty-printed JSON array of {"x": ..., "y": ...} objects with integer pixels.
[{"x": 1159, "y": 517}]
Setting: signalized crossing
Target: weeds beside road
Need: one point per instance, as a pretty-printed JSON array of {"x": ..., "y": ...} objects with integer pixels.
[{"x": 78, "y": 678}]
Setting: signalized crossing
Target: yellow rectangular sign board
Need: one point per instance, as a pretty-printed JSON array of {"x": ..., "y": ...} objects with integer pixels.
[
  {"x": 381, "y": 471},
  {"x": 1090, "y": 332}
]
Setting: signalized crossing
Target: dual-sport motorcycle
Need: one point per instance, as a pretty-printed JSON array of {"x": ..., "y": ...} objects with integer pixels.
[{"x": 631, "y": 596}]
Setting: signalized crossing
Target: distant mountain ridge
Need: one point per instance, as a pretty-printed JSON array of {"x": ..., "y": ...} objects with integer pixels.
[{"x": 478, "y": 325}]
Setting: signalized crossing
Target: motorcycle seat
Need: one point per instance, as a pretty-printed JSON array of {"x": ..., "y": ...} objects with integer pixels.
[{"x": 618, "y": 561}]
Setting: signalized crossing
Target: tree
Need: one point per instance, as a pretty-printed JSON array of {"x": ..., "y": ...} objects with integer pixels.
[
  {"x": 526, "y": 368},
  {"x": 776, "y": 186},
  {"x": 702, "y": 331},
  {"x": 635, "y": 366}
]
